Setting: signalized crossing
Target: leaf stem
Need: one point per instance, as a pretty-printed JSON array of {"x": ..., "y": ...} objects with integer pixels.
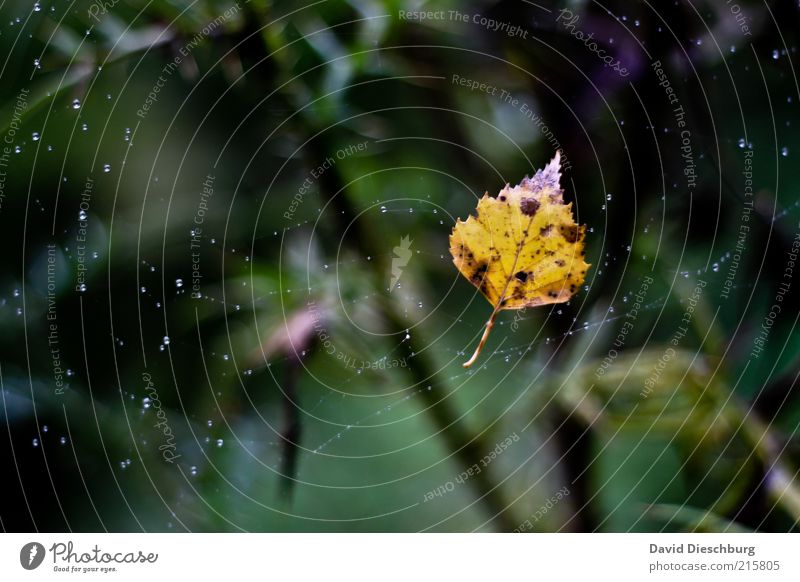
[{"x": 489, "y": 325}]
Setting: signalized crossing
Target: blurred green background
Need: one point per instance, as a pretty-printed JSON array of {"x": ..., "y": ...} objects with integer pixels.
[{"x": 219, "y": 191}]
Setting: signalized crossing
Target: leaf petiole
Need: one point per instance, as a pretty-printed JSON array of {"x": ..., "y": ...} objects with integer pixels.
[{"x": 489, "y": 325}]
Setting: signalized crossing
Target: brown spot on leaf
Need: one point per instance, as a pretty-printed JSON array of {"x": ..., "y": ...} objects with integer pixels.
[
  {"x": 545, "y": 230},
  {"x": 570, "y": 233},
  {"x": 478, "y": 273},
  {"x": 529, "y": 206},
  {"x": 521, "y": 276}
]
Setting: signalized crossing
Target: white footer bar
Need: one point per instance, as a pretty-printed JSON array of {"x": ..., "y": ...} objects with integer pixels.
[{"x": 388, "y": 557}]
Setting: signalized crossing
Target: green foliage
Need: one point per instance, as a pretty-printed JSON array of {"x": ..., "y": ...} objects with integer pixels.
[{"x": 288, "y": 418}]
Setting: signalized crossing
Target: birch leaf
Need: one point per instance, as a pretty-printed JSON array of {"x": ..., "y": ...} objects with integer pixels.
[{"x": 523, "y": 247}]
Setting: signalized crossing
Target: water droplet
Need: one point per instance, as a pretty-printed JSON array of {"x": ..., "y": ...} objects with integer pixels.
[
  {"x": 76, "y": 104},
  {"x": 35, "y": 442},
  {"x": 106, "y": 168},
  {"x": 715, "y": 267},
  {"x": 179, "y": 283},
  {"x": 220, "y": 442},
  {"x": 146, "y": 402},
  {"x": 166, "y": 340},
  {"x": 785, "y": 152},
  {"x": 741, "y": 142},
  {"x": 775, "y": 54}
]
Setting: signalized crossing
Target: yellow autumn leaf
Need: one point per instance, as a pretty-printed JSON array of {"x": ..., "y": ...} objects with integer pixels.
[{"x": 523, "y": 248}]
